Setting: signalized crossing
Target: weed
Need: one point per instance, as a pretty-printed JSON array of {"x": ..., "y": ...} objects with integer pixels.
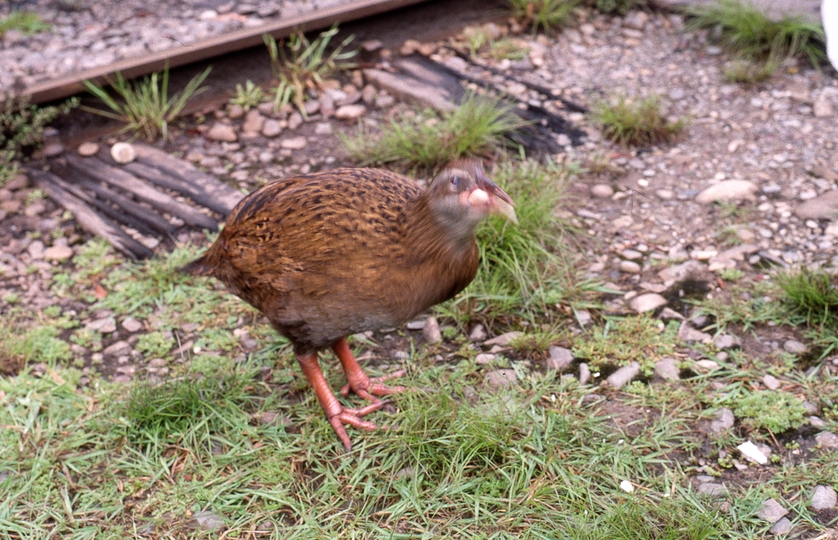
[
  {"x": 547, "y": 15},
  {"x": 429, "y": 140},
  {"x": 247, "y": 96},
  {"x": 38, "y": 343},
  {"x": 26, "y": 22},
  {"x": 731, "y": 274},
  {"x": 636, "y": 122},
  {"x": 750, "y": 35},
  {"x": 811, "y": 293},
  {"x": 508, "y": 48},
  {"x": 22, "y": 130},
  {"x": 306, "y": 65},
  {"x": 622, "y": 341},
  {"x": 476, "y": 39},
  {"x": 772, "y": 410},
  {"x": 146, "y": 107},
  {"x": 155, "y": 344}
]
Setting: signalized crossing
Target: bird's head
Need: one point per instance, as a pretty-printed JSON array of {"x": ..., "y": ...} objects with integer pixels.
[{"x": 461, "y": 196}]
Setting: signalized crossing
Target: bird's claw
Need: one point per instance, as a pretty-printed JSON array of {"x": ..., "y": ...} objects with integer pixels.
[
  {"x": 369, "y": 387},
  {"x": 352, "y": 417}
]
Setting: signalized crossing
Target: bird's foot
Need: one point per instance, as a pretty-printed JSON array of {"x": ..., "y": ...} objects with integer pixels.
[
  {"x": 339, "y": 415},
  {"x": 370, "y": 387}
]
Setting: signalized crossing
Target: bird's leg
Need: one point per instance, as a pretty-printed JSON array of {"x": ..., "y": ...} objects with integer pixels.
[
  {"x": 359, "y": 382},
  {"x": 335, "y": 412}
]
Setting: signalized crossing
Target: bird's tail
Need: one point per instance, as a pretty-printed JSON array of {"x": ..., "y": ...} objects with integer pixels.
[{"x": 198, "y": 267}]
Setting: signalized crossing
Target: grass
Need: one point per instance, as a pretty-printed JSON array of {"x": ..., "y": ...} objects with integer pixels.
[
  {"x": 811, "y": 293},
  {"x": 748, "y": 71},
  {"x": 546, "y": 15},
  {"x": 248, "y": 96},
  {"x": 429, "y": 140},
  {"x": 145, "y": 106},
  {"x": 620, "y": 7},
  {"x": 751, "y": 36},
  {"x": 525, "y": 269},
  {"x": 22, "y": 130},
  {"x": 638, "y": 122},
  {"x": 301, "y": 65},
  {"x": 25, "y": 22}
]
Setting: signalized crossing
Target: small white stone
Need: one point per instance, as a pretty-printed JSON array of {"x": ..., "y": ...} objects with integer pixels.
[
  {"x": 123, "y": 153},
  {"x": 750, "y": 451},
  {"x": 626, "y": 486}
]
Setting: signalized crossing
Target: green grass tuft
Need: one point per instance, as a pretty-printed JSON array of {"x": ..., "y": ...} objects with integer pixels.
[
  {"x": 26, "y": 22},
  {"x": 749, "y": 34},
  {"x": 623, "y": 341},
  {"x": 636, "y": 122},
  {"x": 146, "y": 107},
  {"x": 547, "y": 15},
  {"x": 247, "y": 96},
  {"x": 811, "y": 293},
  {"x": 429, "y": 140}
]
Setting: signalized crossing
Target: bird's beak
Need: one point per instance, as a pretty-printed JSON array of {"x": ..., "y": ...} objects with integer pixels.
[{"x": 498, "y": 201}]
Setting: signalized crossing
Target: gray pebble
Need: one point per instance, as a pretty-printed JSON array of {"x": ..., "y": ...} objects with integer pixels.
[
  {"x": 823, "y": 498},
  {"x": 559, "y": 358},
  {"x": 623, "y": 376}
]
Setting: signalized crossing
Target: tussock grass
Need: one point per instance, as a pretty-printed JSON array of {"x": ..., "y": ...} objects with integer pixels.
[
  {"x": 26, "y": 22},
  {"x": 248, "y": 96},
  {"x": 429, "y": 140},
  {"x": 749, "y": 34},
  {"x": 301, "y": 65},
  {"x": 635, "y": 122},
  {"x": 810, "y": 293},
  {"x": 528, "y": 268},
  {"x": 145, "y": 106},
  {"x": 547, "y": 15}
]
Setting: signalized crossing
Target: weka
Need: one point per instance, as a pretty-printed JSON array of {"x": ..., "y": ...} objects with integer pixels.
[{"x": 335, "y": 253}]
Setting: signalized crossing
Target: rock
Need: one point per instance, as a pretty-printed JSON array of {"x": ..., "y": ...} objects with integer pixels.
[
  {"x": 781, "y": 527},
  {"x": 431, "y": 331},
  {"x": 827, "y": 439},
  {"x": 350, "y": 112},
  {"x": 822, "y": 108},
  {"x": 723, "y": 422},
  {"x": 647, "y": 302},
  {"x": 667, "y": 369},
  {"x": 52, "y": 149},
  {"x": 484, "y": 358},
  {"x": 105, "y": 325},
  {"x": 478, "y": 333},
  {"x": 623, "y": 376},
  {"x": 630, "y": 267},
  {"x": 132, "y": 325},
  {"x": 87, "y": 149},
  {"x": 323, "y": 128},
  {"x": 253, "y": 121},
  {"x": 504, "y": 339},
  {"x": 728, "y": 191},
  {"x": 690, "y": 269},
  {"x": 294, "y": 143},
  {"x": 706, "y": 365},
  {"x": 295, "y": 120},
  {"x": 689, "y": 334},
  {"x": 271, "y": 128},
  {"x": 752, "y": 453},
  {"x": 222, "y": 132},
  {"x": 58, "y": 253},
  {"x": 823, "y": 206},
  {"x": 118, "y": 348},
  {"x": 206, "y": 521},
  {"x": 712, "y": 489},
  {"x": 771, "y": 511},
  {"x": 234, "y": 111},
  {"x": 500, "y": 378},
  {"x": 584, "y": 373},
  {"x": 727, "y": 341},
  {"x": 823, "y": 498},
  {"x": 770, "y": 381},
  {"x": 559, "y": 358},
  {"x": 669, "y": 314},
  {"x": 123, "y": 153},
  {"x": 602, "y": 191},
  {"x": 795, "y": 347}
]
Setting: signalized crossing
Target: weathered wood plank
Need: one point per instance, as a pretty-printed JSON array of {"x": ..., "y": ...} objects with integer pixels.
[
  {"x": 88, "y": 219},
  {"x": 141, "y": 189},
  {"x": 185, "y": 178}
]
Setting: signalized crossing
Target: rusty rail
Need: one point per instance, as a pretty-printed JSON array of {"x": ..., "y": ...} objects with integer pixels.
[{"x": 211, "y": 47}]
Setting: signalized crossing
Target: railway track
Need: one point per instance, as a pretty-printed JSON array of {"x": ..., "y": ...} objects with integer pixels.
[{"x": 237, "y": 40}]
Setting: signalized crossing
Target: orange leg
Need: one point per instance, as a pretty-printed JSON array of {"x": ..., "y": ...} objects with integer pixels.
[
  {"x": 335, "y": 412},
  {"x": 359, "y": 382}
]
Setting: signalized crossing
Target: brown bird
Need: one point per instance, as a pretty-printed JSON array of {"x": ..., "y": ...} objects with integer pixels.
[{"x": 335, "y": 253}]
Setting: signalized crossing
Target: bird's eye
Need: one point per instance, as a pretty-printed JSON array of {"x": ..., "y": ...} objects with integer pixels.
[{"x": 455, "y": 181}]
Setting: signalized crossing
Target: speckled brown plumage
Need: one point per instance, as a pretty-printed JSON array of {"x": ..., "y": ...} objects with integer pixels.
[{"x": 331, "y": 254}]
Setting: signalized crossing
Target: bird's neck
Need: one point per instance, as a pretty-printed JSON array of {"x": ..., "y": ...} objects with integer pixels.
[{"x": 437, "y": 233}]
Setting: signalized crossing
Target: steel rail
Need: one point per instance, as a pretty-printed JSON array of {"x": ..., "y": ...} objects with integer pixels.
[{"x": 237, "y": 40}]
